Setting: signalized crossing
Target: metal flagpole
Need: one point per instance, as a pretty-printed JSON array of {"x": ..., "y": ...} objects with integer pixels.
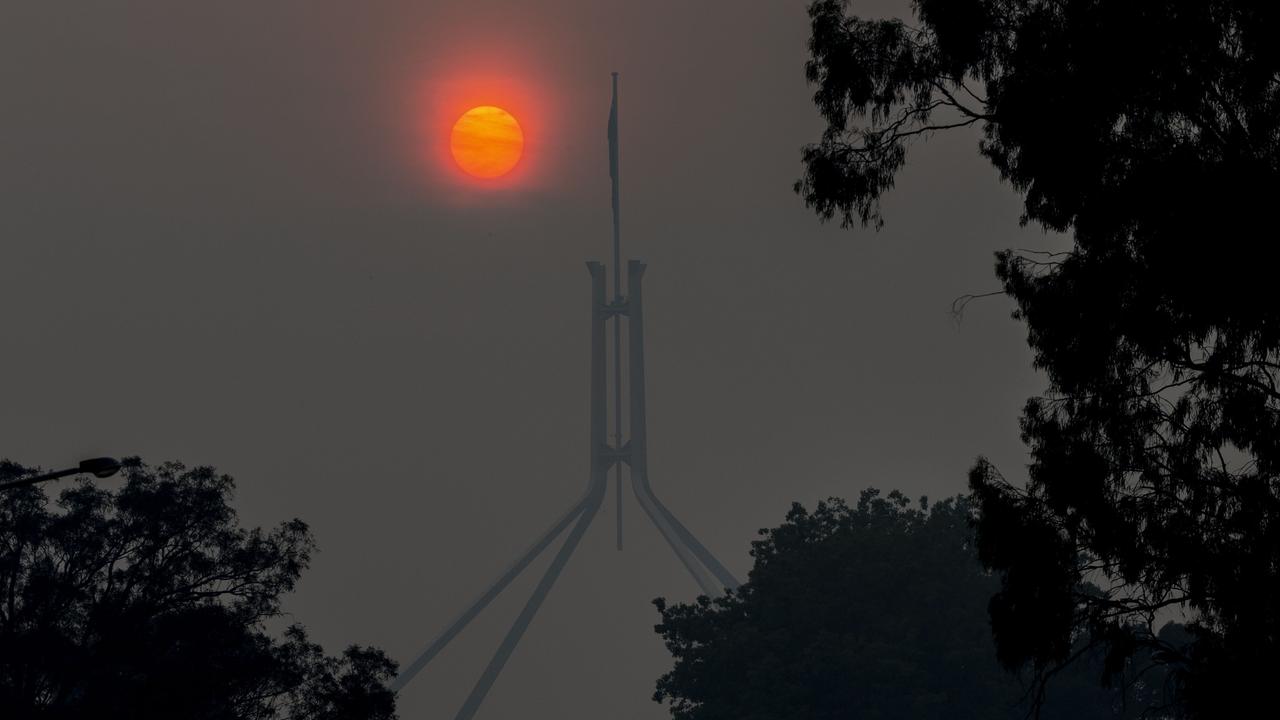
[
  {"x": 490, "y": 674},
  {"x": 712, "y": 577},
  {"x": 617, "y": 297},
  {"x": 439, "y": 642},
  {"x": 682, "y": 542}
]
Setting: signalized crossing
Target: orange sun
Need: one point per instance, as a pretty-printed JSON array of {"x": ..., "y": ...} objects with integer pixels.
[{"x": 486, "y": 142}]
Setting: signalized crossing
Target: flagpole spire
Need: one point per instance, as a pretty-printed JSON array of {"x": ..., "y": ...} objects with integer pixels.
[
  {"x": 613, "y": 174},
  {"x": 617, "y": 299}
]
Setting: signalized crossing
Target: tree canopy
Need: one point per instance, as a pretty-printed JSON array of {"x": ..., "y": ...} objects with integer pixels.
[
  {"x": 871, "y": 611},
  {"x": 1150, "y": 131},
  {"x": 151, "y": 601}
]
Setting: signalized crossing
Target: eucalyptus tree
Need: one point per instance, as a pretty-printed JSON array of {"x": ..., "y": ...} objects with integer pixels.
[
  {"x": 150, "y": 601},
  {"x": 1148, "y": 131}
]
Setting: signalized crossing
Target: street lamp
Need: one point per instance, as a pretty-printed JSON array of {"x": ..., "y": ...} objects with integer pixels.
[{"x": 102, "y": 467}]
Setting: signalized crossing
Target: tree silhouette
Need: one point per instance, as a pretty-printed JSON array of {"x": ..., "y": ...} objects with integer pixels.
[
  {"x": 151, "y": 602},
  {"x": 874, "y": 611},
  {"x": 1148, "y": 130}
]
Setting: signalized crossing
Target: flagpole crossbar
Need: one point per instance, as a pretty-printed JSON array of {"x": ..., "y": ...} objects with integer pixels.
[
  {"x": 615, "y": 455},
  {"x": 710, "y": 575}
]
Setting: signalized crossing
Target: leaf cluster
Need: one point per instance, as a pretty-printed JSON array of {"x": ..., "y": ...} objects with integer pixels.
[{"x": 152, "y": 601}]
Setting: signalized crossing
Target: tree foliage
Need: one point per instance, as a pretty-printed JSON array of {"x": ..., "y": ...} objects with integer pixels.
[
  {"x": 151, "y": 601},
  {"x": 874, "y": 611},
  {"x": 1151, "y": 132}
]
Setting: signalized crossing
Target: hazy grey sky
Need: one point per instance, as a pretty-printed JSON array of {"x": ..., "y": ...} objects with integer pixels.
[{"x": 226, "y": 238}]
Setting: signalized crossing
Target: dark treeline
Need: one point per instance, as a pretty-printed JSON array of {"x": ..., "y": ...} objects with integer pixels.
[
  {"x": 151, "y": 601},
  {"x": 1148, "y": 131},
  {"x": 873, "y": 611}
]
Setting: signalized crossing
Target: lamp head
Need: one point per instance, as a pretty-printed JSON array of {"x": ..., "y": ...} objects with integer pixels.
[{"x": 102, "y": 467}]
